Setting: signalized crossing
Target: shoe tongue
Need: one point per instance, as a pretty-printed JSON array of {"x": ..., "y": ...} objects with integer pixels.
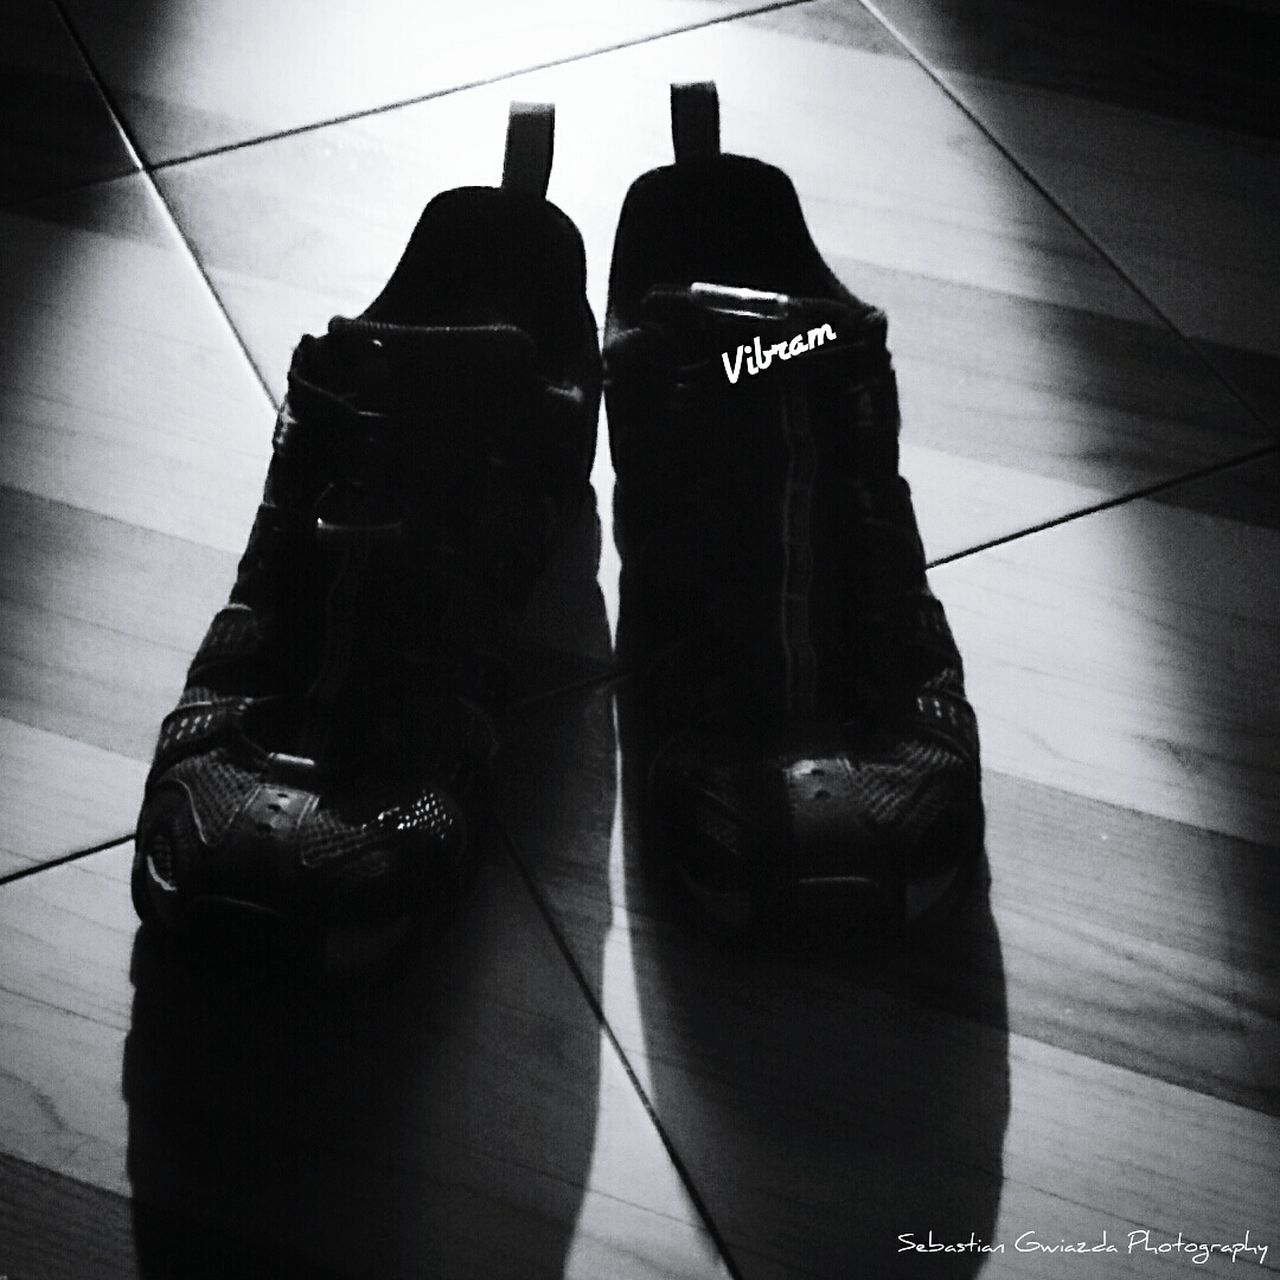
[
  {"x": 438, "y": 373},
  {"x": 747, "y": 340}
]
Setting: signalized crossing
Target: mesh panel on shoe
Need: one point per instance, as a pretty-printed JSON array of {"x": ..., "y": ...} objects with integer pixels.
[
  {"x": 896, "y": 792},
  {"x": 217, "y": 787},
  {"x": 327, "y": 838}
]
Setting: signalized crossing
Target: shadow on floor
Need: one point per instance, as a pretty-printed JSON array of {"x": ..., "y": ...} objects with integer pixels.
[
  {"x": 831, "y": 1111},
  {"x": 438, "y": 1120},
  {"x": 429, "y": 1124}
]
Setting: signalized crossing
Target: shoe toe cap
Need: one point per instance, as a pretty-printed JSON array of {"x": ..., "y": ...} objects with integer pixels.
[
  {"x": 864, "y": 843},
  {"x": 289, "y": 866}
]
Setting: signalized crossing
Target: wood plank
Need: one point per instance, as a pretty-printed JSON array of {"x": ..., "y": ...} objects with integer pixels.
[
  {"x": 1159, "y": 140},
  {"x": 1119, "y": 657},
  {"x": 86, "y": 568},
  {"x": 101, "y": 620},
  {"x": 1245, "y": 493},
  {"x": 1142, "y": 942},
  {"x": 466, "y": 1117},
  {"x": 823, "y": 1110},
  {"x": 125, "y": 393},
  {"x": 1087, "y": 1150},
  {"x": 1095, "y": 1053},
  {"x": 333, "y": 208},
  {"x": 134, "y": 443},
  {"x": 60, "y": 795},
  {"x": 1205, "y": 62},
  {"x": 53, "y": 1228},
  {"x": 191, "y": 77},
  {"x": 1183, "y": 184},
  {"x": 1072, "y": 394},
  {"x": 1131, "y": 939},
  {"x": 1048, "y": 390}
]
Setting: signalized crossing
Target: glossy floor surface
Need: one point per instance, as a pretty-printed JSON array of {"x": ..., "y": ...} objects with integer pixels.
[{"x": 1070, "y": 215}]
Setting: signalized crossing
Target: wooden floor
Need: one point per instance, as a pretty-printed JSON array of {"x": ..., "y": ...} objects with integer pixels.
[{"x": 1070, "y": 213}]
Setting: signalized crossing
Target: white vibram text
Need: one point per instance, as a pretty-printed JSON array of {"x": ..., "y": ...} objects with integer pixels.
[{"x": 759, "y": 358}]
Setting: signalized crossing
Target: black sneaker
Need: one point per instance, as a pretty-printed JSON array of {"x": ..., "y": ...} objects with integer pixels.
[
  {"x": 810, "y": 752},
  {"x": 319, "y": 786}
]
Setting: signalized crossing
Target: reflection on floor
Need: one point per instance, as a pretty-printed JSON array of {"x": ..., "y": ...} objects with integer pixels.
[{"x": 1069, "y": 214}]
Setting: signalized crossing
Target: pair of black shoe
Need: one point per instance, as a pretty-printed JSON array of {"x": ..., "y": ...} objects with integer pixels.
[{"x": 810, "y": 753}]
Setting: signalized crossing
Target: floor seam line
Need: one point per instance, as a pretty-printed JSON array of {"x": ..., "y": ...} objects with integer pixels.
[
  {"x": 685, "y": 1175},
  {"x": 479, "y": 82},
  {"x": 1024, "y": 170},
  {"x": 147, "y": 173},
  {"x": 119, "y": 521},
  {"x": 1109, "y": 504},
  {"x": 61, "y": 1175},
  {"x": 48, "y": 864}
]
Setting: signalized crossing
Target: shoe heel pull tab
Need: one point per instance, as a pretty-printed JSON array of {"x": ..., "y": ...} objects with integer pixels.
[
  {"x": 695, "y": 120},
  {"x": 531, "y": 130}
]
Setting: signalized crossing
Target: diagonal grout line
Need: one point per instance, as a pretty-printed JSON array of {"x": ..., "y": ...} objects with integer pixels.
[
  {"x": 415, "y": 99},
  {"x": 147, "y": 170},
  {"x": 61, "y": 860},
  {"x": 936, "y": 76},
  {"x": 1108, "y": 504},
  {"x": 598, "y": 679},
  {"x": 132, "y": 144},
  {"x": 682, "y": 1170},
  {"x": 1089, "y": 238},
  {"x": 142, "y": 166}
]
